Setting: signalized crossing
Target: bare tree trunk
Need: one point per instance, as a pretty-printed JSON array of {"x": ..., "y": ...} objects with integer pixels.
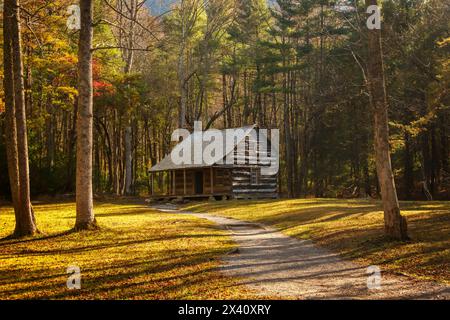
[
  {"x": 287, "y": 130},
  {"x": 50, "y": 134},
  {"x": 182, "y": 88},
  {"x": 11, "y": 129},
  {"x": 27, "y": 224},
  {"x": 129, "y": 54},
  {"x": 128, "y": 160},
  {"x": 85, "y": 212},
  {"x": 395, "y": 224},
  {"x": 128, "y": 16},
  {"x": 186, "y": 24},
  {"x": 72, "y": 139}
]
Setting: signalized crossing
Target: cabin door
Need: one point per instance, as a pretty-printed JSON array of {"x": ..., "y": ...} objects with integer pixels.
[{"x": 199, "y": 182}]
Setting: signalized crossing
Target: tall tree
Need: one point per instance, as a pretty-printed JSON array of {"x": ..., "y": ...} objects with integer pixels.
[
  {"x": 189, "y": 14},
  {"x": 11, "y": 128},
  {"x": 18, "y": 140},
  {"x": 85, "y": 212},
  {"x": 395, "y": 223},
  {"x": 128, "y": 15}
]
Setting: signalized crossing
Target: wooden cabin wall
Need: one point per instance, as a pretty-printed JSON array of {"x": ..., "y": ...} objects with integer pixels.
[
  {"x": 245, "y": 188},
  {"x": 249, "y": 151},
  {"x": 207, "y": 181},
  {"x": 222, "y": 181},
  {"x": 235, "y": 180},
  {"x": 180, "y": 182}
]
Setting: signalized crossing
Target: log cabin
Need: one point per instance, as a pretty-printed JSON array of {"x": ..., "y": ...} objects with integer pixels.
[{"x": 239, "y": 174}]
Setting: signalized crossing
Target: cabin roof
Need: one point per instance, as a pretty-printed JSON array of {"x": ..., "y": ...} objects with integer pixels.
[{"x": 167, "y": 164}]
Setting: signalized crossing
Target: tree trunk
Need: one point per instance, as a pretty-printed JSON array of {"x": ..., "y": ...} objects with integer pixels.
[
  {"x": 11, "y": 129},
  {"x": 182, "y": 88},
  {"x": 27, "y": 225},
  {"x": 132, "y": 13},
  {"x": 395, "y": 224},
  {"x": 50, "y": 134},
  {"x": 128, "y": 160},
  {"x": 287, "y": 130},
  {"x": 85, "y": 213},
  {"x": 182, "y": 72},
  {"x": 72, "y": 139},
  {"x": 408, "y": 168}
]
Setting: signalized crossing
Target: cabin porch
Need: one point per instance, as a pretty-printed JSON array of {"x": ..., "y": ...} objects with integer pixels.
[{"x": 198, "y": 183}]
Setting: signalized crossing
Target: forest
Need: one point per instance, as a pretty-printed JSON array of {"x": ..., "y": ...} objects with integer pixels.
[
  {"x": 92, "y": 90},
  {"x": 294, "y": 65}
]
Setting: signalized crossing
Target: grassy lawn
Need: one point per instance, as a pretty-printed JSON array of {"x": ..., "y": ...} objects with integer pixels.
[
  {"x": 138, "y": 254},
  {"x": 355, "y": 229}
]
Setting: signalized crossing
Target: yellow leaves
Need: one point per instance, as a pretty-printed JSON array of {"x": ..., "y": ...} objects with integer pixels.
[
  {"x": 354, "y": 228},
  {"x": 443, "y": 43},
  {"x": 425, "y": 120},
  {"x": 138, "y": 254},
  {"x": 69, "y": 91},
  {"x": 418, "y": 126}
]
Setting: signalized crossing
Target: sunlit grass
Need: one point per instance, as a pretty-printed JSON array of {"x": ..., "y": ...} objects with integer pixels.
[
  {"x": 355, "y": 229},
  {"x": 138, "y": 254}
]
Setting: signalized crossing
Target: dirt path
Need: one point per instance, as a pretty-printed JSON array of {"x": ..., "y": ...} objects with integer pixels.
[{"x": 276, "y": 265}]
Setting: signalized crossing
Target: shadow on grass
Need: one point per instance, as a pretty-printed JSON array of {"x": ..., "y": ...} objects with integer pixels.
[
  {"x": 11, "y": 240},
  {"x": 98, "y": 282},
  {"x": 355, "y": 229},
  {"x": 110, "y": 245},
  {"x": 102, "y": 277}
]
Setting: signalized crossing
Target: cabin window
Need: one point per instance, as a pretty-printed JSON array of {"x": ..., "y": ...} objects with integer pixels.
[{"x": 255, "y": 176}]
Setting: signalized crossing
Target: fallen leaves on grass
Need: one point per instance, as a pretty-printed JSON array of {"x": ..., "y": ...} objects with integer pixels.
[
  {"x": 355, "y": 228},
  {"x": 138, "y": 254}
]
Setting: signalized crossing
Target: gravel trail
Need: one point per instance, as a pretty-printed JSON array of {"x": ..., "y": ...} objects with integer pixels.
[{"x": 273, "y": 264}]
